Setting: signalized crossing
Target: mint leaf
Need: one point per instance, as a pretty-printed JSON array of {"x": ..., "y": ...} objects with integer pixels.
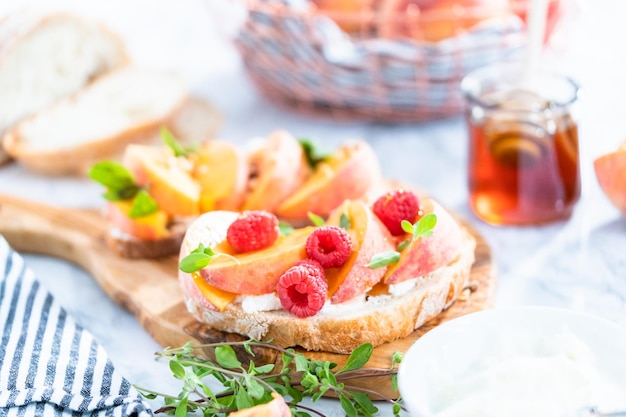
[
  {"x": 344, "y": 221},
  {"x": 403, "y": 244},
  {"x": 170, "y": 141},
  {"x": 225, "y": 355},
  {"x": 383, "y": 259},
  {"x": 313, "y": 153},
  {"x": 197, "y": 259},
  {"x": 424, "y": 226},
  {"x": 112, "y": 175},
  {"x": 358, "y": 358},
  {"x": 285, "y": 229},
  {"x": 315, "y": 219},
  {"x": 143, "y": 205},
  {"x": 407, "y": 226}
]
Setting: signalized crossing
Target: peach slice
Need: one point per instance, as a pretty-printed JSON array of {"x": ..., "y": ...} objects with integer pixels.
[
  {"x": 277, "y": 407},
  {"x": 222, "y": 172},
  {"x": 348, "y": 173},
  {"x": 278, "y": 169},
  {"x": 166, "y": 178},
  {"x": 610, "y": 171},
  {"x": 369, "y": 237},
  {"x": 348, "y": 14},
  {"x": 434, "y": 21},
  {"x": 203, "y": 294},
  {"x": 150, "y": 227},
  {"x": 428, "y": 254},
  {"x": 254, "y": 272}
]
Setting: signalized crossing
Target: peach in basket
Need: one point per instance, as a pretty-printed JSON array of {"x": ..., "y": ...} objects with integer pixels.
[
  {"x": 611, "y": 173},
  {"x": 377, "y": 60}
]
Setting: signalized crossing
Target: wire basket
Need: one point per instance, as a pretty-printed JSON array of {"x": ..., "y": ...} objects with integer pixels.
[{"x": 344, "y": 66}]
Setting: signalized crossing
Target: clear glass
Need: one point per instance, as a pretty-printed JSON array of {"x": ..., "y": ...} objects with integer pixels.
[{"x": 523, "y": 165}]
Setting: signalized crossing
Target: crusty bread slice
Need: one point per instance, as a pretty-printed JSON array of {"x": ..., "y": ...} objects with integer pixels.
[
  {"x": 336, "y": 328},
  {"x": 46, "y": 56},
  {"x": 129, "y": 105}
]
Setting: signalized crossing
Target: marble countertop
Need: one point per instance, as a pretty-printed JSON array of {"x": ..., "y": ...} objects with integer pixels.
[{"x": 579, "y": 264}]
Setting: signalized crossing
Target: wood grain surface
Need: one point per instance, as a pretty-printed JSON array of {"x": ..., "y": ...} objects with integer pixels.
[{"x": 149, "y": 288}]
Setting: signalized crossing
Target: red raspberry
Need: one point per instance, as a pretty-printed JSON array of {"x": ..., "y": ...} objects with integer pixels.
[
  {"x": 253, "y": 230},
  {"x": 396, "y": 206},
  {"x": 303, "y": 289},
  {"x": 329, "y": 245}
]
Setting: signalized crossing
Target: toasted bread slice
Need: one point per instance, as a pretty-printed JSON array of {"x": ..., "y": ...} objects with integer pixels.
[
  {"x": 127, "y": 246},
  {"x": 46, "y": 56},
  {"x": 125, "y": 106}
]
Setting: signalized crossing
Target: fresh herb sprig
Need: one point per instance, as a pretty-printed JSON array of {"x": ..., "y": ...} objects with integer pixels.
[
  {"x": 247, "y": 385},
  {"x": 120, "y": 186},
  {"x": 422, "y": 228}
]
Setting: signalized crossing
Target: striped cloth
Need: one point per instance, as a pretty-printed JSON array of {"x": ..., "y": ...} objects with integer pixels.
[{"x": 49, "y": 365}]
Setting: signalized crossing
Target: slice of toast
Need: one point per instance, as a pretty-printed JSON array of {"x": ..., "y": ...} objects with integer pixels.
[{"x": 46, "y": 56}]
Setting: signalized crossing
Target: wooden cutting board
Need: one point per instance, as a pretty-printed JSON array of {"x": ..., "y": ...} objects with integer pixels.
[{"x": 149, "y": 288}]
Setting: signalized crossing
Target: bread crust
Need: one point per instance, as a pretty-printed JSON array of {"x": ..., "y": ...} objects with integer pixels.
[
  {"x": 78, "y": 159},
  {"x": 342, "y": 328},
  {"x": 130, "y": 247}
]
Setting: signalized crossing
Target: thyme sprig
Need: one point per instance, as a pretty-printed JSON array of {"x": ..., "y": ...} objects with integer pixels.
[
  {"x": 422, "y": 228},
  {"x": 247, "y": 385}
]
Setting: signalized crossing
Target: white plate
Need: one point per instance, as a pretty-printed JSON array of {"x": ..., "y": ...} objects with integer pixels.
[{"x": 553, "y": 344}]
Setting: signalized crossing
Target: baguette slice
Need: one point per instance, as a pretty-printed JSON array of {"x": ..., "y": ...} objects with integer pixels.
[
  {"x": 44, "y": 57},
  {"x": 337, "y": 328},
  {"x": 129, "y": 105}
]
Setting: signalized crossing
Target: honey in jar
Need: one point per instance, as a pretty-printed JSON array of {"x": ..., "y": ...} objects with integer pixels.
[{"x": 523, "y": 162}]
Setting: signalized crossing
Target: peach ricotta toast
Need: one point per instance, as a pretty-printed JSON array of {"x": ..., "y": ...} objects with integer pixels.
[
  {"x": 368, "y": 273},
  {"x": 154, "y": 193}
]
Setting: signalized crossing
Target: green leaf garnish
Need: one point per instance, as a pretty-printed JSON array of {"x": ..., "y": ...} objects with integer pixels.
[
  {"x": 315, "y": 219},
  {"x": 197, "y": 259},
  {"x": 171, "y": 142},
  {"x": 226, "y": 357},
  {"x": 285, "y": 229},
  {"x": 119, "y": 182},
  {"x": 344, "y": 221},
  {"x": 422, "y": 228},
  {"x": 425, "y": 226},
  {"x": 358, "y": 357},
  {"x": 396, "y": 359},
  {"x": 143, "y": 205},
  {"x": 112, "y": 175},
  {"x": 384, "y": 259},
  {"x": 246, "y": 388},
  {"x": 314, "y": 153}
]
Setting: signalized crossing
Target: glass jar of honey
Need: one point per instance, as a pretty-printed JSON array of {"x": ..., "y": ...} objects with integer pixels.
[{"x": 523, "y": 165}]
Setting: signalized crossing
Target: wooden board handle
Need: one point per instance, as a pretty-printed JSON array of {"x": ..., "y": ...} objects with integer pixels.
[{"x": 37, "y": 228}]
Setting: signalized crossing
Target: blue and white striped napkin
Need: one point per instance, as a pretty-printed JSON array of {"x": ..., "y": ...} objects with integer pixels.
[{"x": 49, "y": 365}]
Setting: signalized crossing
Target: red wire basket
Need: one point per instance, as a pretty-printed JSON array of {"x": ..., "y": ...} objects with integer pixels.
[{"x": 370, "y": 64}]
